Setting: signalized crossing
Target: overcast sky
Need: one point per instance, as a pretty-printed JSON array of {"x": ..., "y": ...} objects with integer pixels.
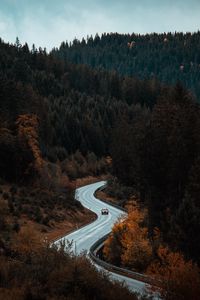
[{"x": 49, "y": 22}]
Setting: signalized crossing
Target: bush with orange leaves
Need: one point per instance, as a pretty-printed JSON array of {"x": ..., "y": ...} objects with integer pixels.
[
  {"x": 180, "y": 279},
  {"x": 113, "y": 245},
  {"x": 128, "y": 245}
]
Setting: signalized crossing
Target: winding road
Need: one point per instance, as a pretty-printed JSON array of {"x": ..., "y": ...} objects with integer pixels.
[{"x": 86, "y": 236}]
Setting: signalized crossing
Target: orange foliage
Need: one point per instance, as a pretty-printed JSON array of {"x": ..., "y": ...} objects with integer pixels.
[
  {"x": 137, "y": 250},
  {"x": 181, "y": 279},
  {"x": 128, "y": 243},
  {"x": 28, "y": 136},
  {"x": 113, "y": 247}
]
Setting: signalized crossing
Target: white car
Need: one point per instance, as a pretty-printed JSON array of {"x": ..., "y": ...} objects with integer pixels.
[{"x": 104, "y": 211}]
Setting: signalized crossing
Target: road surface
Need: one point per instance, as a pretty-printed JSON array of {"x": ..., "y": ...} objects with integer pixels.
[{"x": 85, "y": 237}]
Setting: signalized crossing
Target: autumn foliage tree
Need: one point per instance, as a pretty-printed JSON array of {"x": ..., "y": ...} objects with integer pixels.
[
  {"x": 27, "y": 133},
  {"x": 128, "y": 243},
  {"x": 113, "y": 245},
  {"x": 137, "y": 250},
  {"x": 180, "y": 279}
]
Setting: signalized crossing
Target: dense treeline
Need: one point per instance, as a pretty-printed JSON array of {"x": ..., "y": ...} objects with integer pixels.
[
  {"x": 51, "y": 108},
  {"x": 76, "y": 106},
  {"x": 159, "y": 157},
  {"x": 170, "y": 57},
  {"x": 56, "y": 122},
  {"x": 49, "y": 111}
]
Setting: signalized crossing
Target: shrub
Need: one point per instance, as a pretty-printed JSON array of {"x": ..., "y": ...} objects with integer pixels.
[
  {"x": 5, "y": 196},
  {"x": 13, "y": 190}
]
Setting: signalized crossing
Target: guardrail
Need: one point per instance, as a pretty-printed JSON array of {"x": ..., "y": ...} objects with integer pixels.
[{"x": 113, "y": 268}]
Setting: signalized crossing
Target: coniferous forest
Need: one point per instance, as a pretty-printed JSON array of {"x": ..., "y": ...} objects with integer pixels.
[
  {"x": 169, "y": 57},
  {"x": 132, "y": 98}
]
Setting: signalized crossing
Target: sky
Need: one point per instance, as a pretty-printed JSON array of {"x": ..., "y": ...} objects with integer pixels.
[{"x": 47, "y": 23}]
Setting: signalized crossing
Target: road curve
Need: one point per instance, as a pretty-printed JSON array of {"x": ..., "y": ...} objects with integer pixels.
[{"x": 86, "y": 236}]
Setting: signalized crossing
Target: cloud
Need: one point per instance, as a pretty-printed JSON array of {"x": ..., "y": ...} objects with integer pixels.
[
  {"x": 7, "y": 28},
  {"x": 50, "y": 32}
]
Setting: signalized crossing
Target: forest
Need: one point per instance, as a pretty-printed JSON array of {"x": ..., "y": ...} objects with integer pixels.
[
  {"x": 55, "y": 120},
  {"x": 168, "y": 57},
  {"x": 80, "y": 101},
  {"x": 61, "y": 114},
  {"x": 158, "y": 157}
]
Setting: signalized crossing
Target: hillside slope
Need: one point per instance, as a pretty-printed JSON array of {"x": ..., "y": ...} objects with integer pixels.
[{"x": 170, "y": 57}]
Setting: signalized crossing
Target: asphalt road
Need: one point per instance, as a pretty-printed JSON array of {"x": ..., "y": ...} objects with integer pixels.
[{"x": 85, "y": 237}]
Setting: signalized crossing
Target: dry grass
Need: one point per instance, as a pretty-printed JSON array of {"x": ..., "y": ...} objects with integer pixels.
[
  {"x": 70, "y": 218},
  {"x": 102, "y": 195},
  {"x": 74, "y": 220},
  {"x": 129, "y": 205},
  {"x": 89, "y": 179}
]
